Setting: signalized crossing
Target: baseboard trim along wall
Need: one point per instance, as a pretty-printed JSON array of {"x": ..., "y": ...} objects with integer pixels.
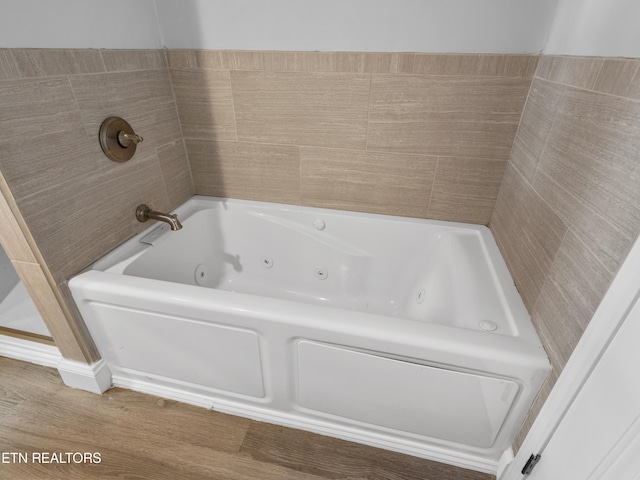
[
  {"x": 94, "y": 378},
  {"x": 28, "y": 351}
]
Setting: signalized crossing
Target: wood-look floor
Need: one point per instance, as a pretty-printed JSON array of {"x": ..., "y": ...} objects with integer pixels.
[{"x": 144, "y": 437}]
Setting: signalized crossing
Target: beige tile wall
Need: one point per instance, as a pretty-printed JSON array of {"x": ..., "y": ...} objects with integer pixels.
[
  {"x": 569, "y": 206},
  {"x": 429, "y": 134},
  {"x": 76, "y": 204},
  {"x": 421, "y": 135},
  {"x": 398, "y": 133}
]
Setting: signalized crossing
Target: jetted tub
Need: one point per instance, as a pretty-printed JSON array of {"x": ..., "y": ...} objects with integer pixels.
[{"x": 401, "y": 333}]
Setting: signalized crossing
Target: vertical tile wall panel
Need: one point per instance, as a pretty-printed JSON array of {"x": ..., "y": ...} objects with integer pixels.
[
  {"x": 528, "y": 232},
  {"x": 386, "y": 183},
  {"x": 445, "y": 115},
  {"x": 205, "y": 104},
  {"x": 42, "y": 140},
  {"x": 587, "y": 174},
  {"x": 461, "y": 106},
  {"x": 535, "y": 126},
  {"x": 576, "y": 283},
  {"x": 53, "y": 102},
  {"x": 315, "y": 109},
  {"x": 592, "y": 158},
  {"x": 251, "y": 171},
  {"x": 80, "y": 219},
  {"x": 365, "y": 104},
  {"x": 465, "y": 189},
  {"x": 35, "y": 107},
  {"x": 143, "y": 98},
  {"x": 176, "y": 172}
]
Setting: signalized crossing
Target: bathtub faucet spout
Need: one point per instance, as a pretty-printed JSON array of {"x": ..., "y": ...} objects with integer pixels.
[{"x": 144, "y": 213}]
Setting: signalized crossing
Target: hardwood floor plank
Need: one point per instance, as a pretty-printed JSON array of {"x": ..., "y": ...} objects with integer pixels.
[
  {"x": 146, "y": 420},
  {"x": 127, "y": 458},
  {"x": 142, "y": 437},
  {"x": 115, "y": 463},
  {"x": 19, "y": 383},
  {"x": 332, "y": 458}
]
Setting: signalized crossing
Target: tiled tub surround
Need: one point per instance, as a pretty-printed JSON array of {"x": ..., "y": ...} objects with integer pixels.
[
  {"x": 569, "y": 206},
  {"x": 409, "y": 134},
  {"x": 422, "y": 135},
  {"x": 76, "y": 204}
]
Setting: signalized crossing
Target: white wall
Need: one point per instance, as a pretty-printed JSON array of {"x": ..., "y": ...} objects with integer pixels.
[
  {"x": 581, "y": 27},
  {"x": 78, "y": 24},
  {"x": 609, "y": 28},
  {"x": 496, "y": 26}
]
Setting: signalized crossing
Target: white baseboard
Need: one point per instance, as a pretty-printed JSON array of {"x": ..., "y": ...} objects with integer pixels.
[
  {"x": 94, "y": 378},
  {"x": 177, "y": 394},
  {"x": 293, "y": 420},
  {"x": 27, "y": 351}
]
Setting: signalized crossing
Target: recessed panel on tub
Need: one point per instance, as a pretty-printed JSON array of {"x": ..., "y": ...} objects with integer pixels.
[
  {"x": 434, "y": 402},
  {"x": 210, "y": 355}
]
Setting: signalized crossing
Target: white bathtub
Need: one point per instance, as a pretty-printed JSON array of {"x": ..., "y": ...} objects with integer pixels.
[{"x": 400, "y": 333}]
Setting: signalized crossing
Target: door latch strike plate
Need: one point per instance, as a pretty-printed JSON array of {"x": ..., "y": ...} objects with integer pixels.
[{"x": 532, "y": 462}]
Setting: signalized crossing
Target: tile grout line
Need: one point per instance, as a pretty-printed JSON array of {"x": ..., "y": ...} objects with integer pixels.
[
  {"x": 366, "y": 135},
  {"x": 355, "y": 150},
  {"x": 546, "y": 276},
  {"x": 433, "y": 187},
  {"x": 569, "y": 227},
  {"x": 233, "y": 104},
  {"x": 597, "y": 92},
  {"x": 524, "y": 108},
  {"x": 175, "y": 104},
  {"x": 104, "y": 64},
  {"x": 546, "y": 142},
  {"x": 77, "y": 107},
  {"x": 301, "y": 175}
]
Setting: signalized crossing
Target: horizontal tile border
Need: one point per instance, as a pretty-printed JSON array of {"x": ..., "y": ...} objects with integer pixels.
[
  {"x": 609, "y": 75},
  {"x": 27, "y": 63},
  {"x": 356, "y": 62},
  {"x": 20, "y": 63},
  {"x": 23, "y": 63}
]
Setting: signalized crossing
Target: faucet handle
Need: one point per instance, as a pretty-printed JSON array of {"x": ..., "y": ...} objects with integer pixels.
[{"x": 125, "y": 139}]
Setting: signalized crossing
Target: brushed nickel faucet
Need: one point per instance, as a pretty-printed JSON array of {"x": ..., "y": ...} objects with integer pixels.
[{"x": 144, "y": 213}]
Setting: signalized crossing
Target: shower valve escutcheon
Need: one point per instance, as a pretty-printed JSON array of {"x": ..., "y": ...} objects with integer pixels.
[
  {"x": 144, "y": 213},
  {"x": 117, "y": 139}
]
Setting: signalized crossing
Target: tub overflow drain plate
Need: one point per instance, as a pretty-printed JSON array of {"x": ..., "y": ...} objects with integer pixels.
[{"x": 202, "y": 274}]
